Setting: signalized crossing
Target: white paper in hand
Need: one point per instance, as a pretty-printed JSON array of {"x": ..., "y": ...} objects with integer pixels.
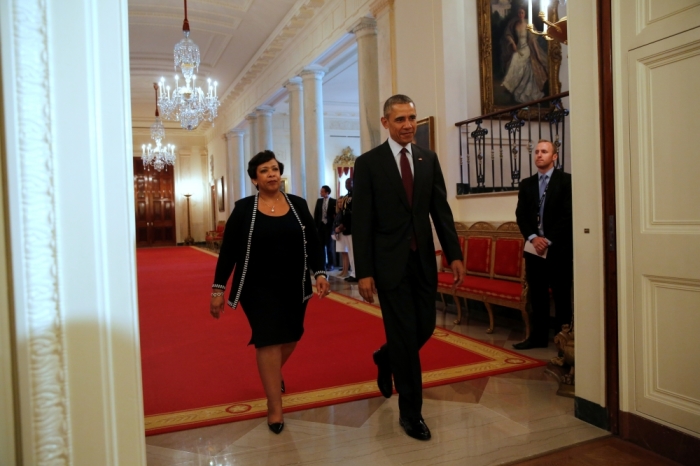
[{"x": 531, "y": 249}]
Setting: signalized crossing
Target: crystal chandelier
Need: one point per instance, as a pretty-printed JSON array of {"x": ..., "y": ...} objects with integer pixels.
[
  {"x": 159, "y": 156},
  {"x": 189, "y": 104}
]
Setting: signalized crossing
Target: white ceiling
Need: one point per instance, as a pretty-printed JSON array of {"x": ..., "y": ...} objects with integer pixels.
[{"x": 231, "y": 35}]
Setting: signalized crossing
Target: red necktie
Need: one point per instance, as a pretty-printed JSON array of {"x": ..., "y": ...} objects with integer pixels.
[{"x": 407, "y": 178}]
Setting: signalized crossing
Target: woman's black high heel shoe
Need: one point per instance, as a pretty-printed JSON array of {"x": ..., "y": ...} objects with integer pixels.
[
  {"x": 276, "y": 427},
  {"x": 283, "y": 389}
]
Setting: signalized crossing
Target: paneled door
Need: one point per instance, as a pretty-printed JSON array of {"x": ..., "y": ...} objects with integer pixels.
[
  {"x": 155, "y": 206},
  {"x": 660, "y": 50}
]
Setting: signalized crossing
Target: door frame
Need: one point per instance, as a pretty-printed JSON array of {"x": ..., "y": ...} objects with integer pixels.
[{"x": 607, "y": 149}]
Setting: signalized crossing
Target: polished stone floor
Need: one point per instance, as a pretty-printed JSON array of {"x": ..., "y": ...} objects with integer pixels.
[{"x": 494, "y": 420}]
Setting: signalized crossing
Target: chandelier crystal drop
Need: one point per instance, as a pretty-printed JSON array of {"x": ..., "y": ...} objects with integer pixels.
[
  {"x": 189, "y": 104},
  {"x": 160, "y": 155}
]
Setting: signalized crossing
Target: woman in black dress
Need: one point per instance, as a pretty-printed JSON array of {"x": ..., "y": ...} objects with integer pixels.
[{"x": 271, "y": 246}]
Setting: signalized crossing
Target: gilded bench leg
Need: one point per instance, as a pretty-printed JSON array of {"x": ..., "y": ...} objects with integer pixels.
[
  {"x": 490, "y": 311},
  {"x": 459, "y": 310}
]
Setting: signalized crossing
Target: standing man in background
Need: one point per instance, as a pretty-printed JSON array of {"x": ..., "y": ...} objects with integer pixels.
[
  {"x": 323, "y": 216},
  {"x": 544, "y": 218},
  {"x": 399, "y": 187}
]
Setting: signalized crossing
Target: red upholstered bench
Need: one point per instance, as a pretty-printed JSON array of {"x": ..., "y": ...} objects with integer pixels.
[
  {"x": 215, "y": 237},
  {"x": 495, "y": 269}
]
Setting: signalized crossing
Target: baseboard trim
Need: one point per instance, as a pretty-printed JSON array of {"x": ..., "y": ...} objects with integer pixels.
[
  {"x": 591, "y": 413},
  {"x": 670, "y": 443}
]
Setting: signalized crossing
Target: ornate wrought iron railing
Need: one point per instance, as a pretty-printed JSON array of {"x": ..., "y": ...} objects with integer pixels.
[{"x": 491, "y": 146}]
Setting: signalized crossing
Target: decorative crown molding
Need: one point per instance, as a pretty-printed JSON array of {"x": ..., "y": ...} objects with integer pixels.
[{"x": 303, "y": 12}]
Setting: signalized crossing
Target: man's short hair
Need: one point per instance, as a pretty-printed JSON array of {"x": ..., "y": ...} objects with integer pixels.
[
  {"x": 326, "y": 188},
  {"x": 396, "y": 99},
  {"x": 554, "y": 147}
]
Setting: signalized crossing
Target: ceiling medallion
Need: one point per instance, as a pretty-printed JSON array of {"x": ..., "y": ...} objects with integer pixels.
[
  {"x": 161, "y": 155},
  {"x": 188, "y": 103}
]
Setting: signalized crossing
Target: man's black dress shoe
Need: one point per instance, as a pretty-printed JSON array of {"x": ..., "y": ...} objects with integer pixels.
[
  {"x": 383, "y": 375},
  {"x": 351, "y": 279},
  {"x": 276, "y": 427},
  {"x": 416, "y": 429},
  {"x": 529, "y": 344},
  {"x": 283, "y": 387}
]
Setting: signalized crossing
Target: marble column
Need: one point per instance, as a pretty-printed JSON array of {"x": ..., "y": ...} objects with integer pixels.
[
  {"x": 236, "y": 166},
  {"x": 297, "y": 173},
  {"x": 383, "y": 11},
  {"x": 365, "y": 31},
  {"x": 252, "y": 146},
  {"x": 314, "y": 140},
  {"x": 264, "y": 114},
  {"x": 252, "y": 119}
]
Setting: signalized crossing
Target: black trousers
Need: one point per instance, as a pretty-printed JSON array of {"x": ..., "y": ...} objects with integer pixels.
[
  {"x": 409, "y": 320},
  {"x": 327, "y": 249},
  {"x": 542, "y": 275}
]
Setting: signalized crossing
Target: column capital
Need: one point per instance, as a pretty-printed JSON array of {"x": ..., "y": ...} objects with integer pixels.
[
  {"x": 234, "y": 133},
  {"x": 313, "y": 72},
  {"x": 294, "y": 84},
  {"x": 364, "y": 26},
  {"x": 251, "y": 116},
  {"x": 264, "y": 110},
  {"x": 379, "y": 7}
]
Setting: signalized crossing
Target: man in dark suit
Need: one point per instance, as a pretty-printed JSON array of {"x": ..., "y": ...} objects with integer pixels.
[
  {"x": 323, "y": 216},
  {"x": 399, "y": 187},
  {"x": 544, "y": 218}
]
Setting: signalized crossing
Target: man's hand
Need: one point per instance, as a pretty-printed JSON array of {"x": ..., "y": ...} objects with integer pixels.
[
  {"x": 458, "y": 271},
  {"x": 541, "y": 244},
  {"x": 367, "y": 289}
]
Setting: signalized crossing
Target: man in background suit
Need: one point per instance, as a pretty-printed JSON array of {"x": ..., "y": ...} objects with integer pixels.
[
  {"x": 323, "y": 216},
  {"x": 399, "y": 187},
  {"x": 544, "y": 218}
]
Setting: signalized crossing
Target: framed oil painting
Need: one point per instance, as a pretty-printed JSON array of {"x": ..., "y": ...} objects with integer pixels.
[
  {"x": 220, "y": 194},
  {"x": 516, "y": 65},
  {"x": 425, "y": 135}
]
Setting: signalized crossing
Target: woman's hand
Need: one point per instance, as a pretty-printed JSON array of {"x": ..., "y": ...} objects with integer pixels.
[
  {"x": 216, "y": 306},
  {"x": 323, "y": 288}
]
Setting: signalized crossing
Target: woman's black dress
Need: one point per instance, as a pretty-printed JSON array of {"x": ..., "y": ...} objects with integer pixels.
[{"x": 272, "y": 291}]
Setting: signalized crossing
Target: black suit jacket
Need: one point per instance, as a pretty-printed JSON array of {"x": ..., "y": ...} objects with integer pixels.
[
  {"x": 557, "y": 223},
  {"x": 383, "y": 221},
  {"x": 330, "y": 213}
]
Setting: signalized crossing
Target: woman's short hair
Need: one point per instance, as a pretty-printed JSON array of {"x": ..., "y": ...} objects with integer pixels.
[{"x": 259, "y": 159}]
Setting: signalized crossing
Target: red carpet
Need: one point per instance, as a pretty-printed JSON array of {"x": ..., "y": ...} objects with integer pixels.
[{"x": 198, "y": 371}]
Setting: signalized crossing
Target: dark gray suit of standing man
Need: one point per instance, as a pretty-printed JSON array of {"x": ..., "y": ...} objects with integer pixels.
[
  {"x": 544, "y": 218},
  {"x": 395, "y": 197}
]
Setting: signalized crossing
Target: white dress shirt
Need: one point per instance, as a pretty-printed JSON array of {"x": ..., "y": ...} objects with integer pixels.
[{"x": 396, "y": 150}]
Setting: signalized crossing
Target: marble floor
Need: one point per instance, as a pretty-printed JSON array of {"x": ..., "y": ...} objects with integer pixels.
[{"x": 501, "y": 419}]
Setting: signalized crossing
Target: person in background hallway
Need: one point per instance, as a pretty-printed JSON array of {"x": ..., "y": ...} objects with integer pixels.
[
  {"x": 544, "y": 217},
  {"x": 344, "y": 231},
  {"x": 339, "y": 246},
  {"x": 264, "y": 230},
  {"x": 324, "y": 213},
  {"x": 399, "y": 187}
]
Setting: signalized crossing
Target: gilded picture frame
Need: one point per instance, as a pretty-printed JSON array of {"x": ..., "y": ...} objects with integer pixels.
[
  {"x": 425, "y": 133},
  {"x": 284, "y": 185},
  {"x": 494, "y": 24}
]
